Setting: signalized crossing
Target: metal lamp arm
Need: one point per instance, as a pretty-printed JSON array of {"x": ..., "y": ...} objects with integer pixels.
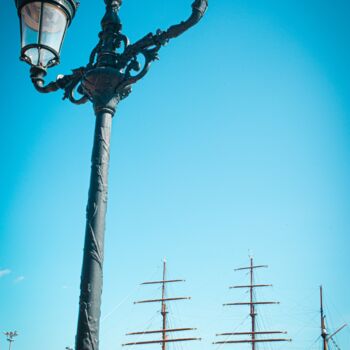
[
  {"x": 37, "y": 77},
  {"x": 150, "y": 44},
  {"x": 199, "y": 8},
  {"x": 68, "y": 83}
]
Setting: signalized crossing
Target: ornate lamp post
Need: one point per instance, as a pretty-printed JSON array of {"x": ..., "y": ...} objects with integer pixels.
[{"x": 112, "y": 69}]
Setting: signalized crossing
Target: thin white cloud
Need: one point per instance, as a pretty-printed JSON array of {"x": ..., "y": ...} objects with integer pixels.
[
  {"x": 4, "y": 272},
  {"x": 19, "y": 279}
]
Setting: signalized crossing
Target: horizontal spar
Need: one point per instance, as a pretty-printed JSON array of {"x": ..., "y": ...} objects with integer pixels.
[
  {"x": 252, "y": 286},
  {"x": 337, "y": 331},
  {"x": 163, "y": 331},
  {"x": 251, "y": 333},
  {"x": 253, "y": 303},
  {"x": 251, "y": 267},
  {"x": 161, "y": 341},
  {"x": 160, "y": 300},
  {"x": 251, "y": 341},
  {"x": 161, "y": 282}
]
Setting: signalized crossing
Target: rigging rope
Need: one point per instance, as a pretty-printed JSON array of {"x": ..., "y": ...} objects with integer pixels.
[
  {"x": 335, "y": 344},
  {"x": 132, "y": 291}
]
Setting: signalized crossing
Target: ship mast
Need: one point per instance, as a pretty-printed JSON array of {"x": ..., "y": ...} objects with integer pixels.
[
  {"x": 323, "y": 322},
  {"x": 252, "y": 307},
  {"x": 324, "y": 334},
  {"x": 253, "y": 333},
  {"x": 164, "y": 312},
  {"x": 164, "y": 331}
]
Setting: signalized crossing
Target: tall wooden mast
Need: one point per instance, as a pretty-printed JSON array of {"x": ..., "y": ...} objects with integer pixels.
[
  {"x": 164, "y": 330},
  {"x": 323, "y": 322},
  {"x": 252, "y": 306},
  {"x": 253, "y": 333},
  {"x": 324, "y": 333},
  {"x": 164, "y": 312}
]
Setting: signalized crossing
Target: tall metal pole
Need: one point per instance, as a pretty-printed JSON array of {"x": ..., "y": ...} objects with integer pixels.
[
  {"x": 91, "y": 277},
  {"x": 99, "y": 84},
  {"x": 164, "y": 311}
]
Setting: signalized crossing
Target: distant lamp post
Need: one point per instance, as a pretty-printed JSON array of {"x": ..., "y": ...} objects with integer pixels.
[
  {"x": 10, "y": 337},
  {"x": 114, "y": 66}
]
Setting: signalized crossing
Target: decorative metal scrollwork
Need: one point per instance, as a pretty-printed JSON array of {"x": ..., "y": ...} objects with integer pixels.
[
  {"x": 68, "y": 83},
  {"x": 106, "y": 55}
]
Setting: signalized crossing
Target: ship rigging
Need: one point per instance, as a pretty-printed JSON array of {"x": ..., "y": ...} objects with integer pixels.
[
  {"x": 164, "y": 331},
  {"x": 253, "y": 336}
]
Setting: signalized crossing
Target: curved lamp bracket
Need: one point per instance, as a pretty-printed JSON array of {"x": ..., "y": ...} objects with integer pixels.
[
  {"x": 126, "y": 66},
  {"x": 151, "y": 43},
  {"x": 66, "y": 82}
]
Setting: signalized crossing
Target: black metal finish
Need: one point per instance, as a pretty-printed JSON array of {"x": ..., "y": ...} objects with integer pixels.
[
  {"x": 51, "y": 63},
  {"x": 91, "y": 277},
  {"x": 113, "y": 70},
  {"x": 114, "y": 66}
]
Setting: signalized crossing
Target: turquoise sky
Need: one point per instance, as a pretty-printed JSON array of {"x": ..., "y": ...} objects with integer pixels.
[{"x": 236, "y": 142}]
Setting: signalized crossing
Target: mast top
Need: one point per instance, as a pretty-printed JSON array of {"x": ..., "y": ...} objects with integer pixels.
[
  {"x": 165, "y": 330},
  {"x": 253, "y": 334},
  {"x": 324, "y": 332}
]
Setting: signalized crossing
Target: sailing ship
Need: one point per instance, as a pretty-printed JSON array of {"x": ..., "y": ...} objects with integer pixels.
[
  {"x": 252, "y": 336},
  {"x": 327, "y": 338},
  {"x": 164, "y": 331}
]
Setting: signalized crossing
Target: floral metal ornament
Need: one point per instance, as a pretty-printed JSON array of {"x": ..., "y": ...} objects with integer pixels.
[{"x": 108, "y": 71}]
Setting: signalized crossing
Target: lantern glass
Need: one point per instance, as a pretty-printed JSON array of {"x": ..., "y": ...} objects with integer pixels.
[
  {"x": 30, "y": 20},
  {"x": 43, "y": 28},
  {"x": 53, "y": 27}
]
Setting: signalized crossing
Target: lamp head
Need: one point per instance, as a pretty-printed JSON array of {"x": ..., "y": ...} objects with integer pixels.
[{"x": 43, "y": 27}]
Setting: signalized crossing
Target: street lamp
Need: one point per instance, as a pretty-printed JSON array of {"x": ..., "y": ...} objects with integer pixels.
[
  {"x": 10, "y": 337},
  {"x": 114, "y": 66}
]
